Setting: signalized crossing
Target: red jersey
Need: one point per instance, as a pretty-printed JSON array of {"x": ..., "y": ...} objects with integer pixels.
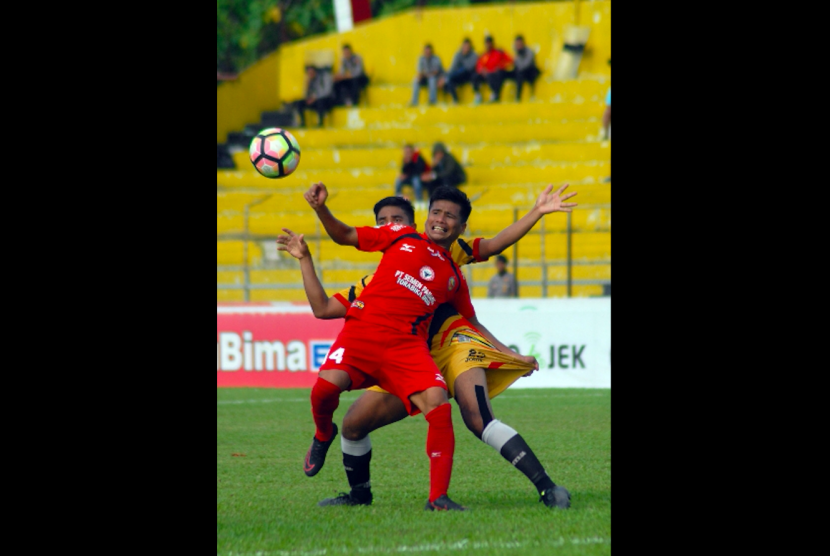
[
  {"x": 493, "y": 60},
  {"x": 413, "y": 278}
]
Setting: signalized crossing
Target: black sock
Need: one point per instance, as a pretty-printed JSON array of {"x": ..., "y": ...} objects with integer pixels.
[
  {"x": 519, "y": 454},
  {"x": 357, "y": 471}
]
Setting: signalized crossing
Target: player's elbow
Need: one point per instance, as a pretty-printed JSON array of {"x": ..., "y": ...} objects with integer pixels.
[
  {"x": 348, "y": 237},
  {"x": 319, "y": 313},
  {"x": 323, "y": 313}
]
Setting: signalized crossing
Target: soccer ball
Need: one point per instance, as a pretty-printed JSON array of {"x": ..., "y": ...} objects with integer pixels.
[{"x": 275, "y": 153}]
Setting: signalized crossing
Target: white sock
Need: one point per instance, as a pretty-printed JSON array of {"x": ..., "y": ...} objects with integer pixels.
[
  {"x": 355, "y": 447},
  {"x": 496, "y": 434}
]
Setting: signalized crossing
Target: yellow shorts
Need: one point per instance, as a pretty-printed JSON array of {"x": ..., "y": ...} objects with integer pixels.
[{"x": 467, "y": 350}]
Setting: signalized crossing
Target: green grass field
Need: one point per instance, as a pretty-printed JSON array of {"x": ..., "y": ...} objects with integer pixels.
[{"x": 266, "y": 505}]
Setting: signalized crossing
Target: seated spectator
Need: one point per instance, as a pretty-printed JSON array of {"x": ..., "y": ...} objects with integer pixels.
[
  {"x": 461, "y": 71},
  {"x": 414, "y": 165},
  {"x": 429, "y": 71},
  {"x": 491, "y": 67},
  {"x": 319, "y": 95},
  {"x": 446, "y": 170},
  {"x": 351, "y": 79},
  {"x": 524, "y": 67}
]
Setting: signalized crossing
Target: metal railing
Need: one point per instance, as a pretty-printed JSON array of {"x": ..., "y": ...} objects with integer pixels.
[{"x": 320, "y": 266}]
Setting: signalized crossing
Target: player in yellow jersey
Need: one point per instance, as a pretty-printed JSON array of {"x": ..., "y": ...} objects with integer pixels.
[{"x": 475, "y": 364}]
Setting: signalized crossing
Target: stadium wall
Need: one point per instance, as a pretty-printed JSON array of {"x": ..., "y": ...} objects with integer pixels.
[
  {"x": 390, "y": 48},
  {"x": 242, "y": 101},
  {"x": 282, "y": 345}
]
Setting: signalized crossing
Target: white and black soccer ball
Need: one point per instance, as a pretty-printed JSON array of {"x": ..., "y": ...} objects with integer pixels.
[{"x": 275, "y": 153}]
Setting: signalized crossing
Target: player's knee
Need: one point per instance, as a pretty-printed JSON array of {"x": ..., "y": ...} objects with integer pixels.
[
  {"x": 353, "y": 428},
  {"x": 473, "y": 421},
  {"x": 353, "y": 431}
]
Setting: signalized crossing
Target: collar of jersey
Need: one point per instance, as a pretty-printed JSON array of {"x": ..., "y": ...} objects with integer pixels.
[{"x": 427, "y": 238}]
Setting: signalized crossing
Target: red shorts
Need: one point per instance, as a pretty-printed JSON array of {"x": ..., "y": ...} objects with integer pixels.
[{"x": 397, "y": 362}]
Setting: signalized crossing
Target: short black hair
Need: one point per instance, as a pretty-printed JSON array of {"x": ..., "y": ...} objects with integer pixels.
[
  {"x": 428, "y": 45},
  {"x": 519, "y": 38},
  {"x": 468, "y": 41},
  {"x": 405, "y": 204},
  {"x": 488, "y": 38},
  {"x": 347, "y": 45},
  {"x": 501, "y": 258},
  {"x": 454, "y": 195}
]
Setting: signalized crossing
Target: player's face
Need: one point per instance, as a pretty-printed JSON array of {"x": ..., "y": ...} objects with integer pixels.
[
  {"x": 444, "y": 223},
  {"x": 393, "y": 214}
]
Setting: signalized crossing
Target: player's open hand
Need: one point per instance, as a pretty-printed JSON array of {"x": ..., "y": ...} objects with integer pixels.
[
  {"x": 554, "y": 202},
  {"x": 316, "y": 195},
  {"x": 294, "y": 244},
  {"x": 531, "y": 360}
]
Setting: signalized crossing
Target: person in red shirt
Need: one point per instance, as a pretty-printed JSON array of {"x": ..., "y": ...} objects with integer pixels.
[
  {"x": 413, "y": 166},
  {"x": 494, "y": 368},
  {"x": 491, "y": 67},
  {"x": 384, "y": 340}
]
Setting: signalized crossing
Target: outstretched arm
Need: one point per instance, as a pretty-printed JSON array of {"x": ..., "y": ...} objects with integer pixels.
[
  {"x": 341, "y": 233},
  {"x": 503, "y": 348},
  {"x": 546, "y": 203},
  {"x": 323, "y": 306}
]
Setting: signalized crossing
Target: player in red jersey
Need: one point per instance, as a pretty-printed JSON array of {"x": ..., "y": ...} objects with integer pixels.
[
  {"x": 473, "y": 381},
  {"x": 383, "y": 342}
]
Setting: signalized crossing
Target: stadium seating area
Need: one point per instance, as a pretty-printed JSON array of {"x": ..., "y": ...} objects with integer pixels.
[{"x": 510, "y": 151}]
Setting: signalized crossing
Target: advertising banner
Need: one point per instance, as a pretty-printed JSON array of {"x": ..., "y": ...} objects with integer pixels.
[
  {"x": 282, "y": 345},
  {"x": 570, "y": 338}
]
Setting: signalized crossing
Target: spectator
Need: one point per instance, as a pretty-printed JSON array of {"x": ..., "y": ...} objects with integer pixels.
[
  {"x": 502, "y": 284},
  {"x": 525, "y": 70},
  {"x": 446, "y": 170},
  {"x": 491, "y": 67},
  {"x": 461, "y": 71},
  {"x": 414, "y": 165},
  {"x": 429, "y": 71},
  {"x": 351, "y": 79},
  {"x": 319, "y": 95},
  {"x": 606, "y": 117}
]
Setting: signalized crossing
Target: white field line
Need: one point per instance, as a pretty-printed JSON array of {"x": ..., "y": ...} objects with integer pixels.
[
  {"x": 223, "y": 402},
  {"x": 501, "y": 397},
  {"x": 463, "y": 544}
]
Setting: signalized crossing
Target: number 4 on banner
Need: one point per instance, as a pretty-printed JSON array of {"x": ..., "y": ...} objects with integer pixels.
[{"x": 337, "y": 355}]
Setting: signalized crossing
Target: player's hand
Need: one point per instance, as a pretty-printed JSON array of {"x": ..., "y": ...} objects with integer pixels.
[
  {"x": 532, "y": 361},
  {"x": 553, "y": 202},
  {"x": 294, "y": 244},
  {"x": 316, "y": 196}
]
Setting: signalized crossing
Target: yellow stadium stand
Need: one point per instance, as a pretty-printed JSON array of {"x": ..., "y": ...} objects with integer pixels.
[{"x": 510, "y": 151}]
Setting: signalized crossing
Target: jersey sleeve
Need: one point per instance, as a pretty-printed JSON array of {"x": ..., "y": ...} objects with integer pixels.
[
  {"x": 346, "y": 296},
  {"x": 462, "y": 302},
  {"x": 373, "y": 238},
  {"x": 466, "y": 252}
]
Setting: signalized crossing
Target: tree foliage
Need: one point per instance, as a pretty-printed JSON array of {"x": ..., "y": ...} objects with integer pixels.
[{"x": 246, "y": 30}]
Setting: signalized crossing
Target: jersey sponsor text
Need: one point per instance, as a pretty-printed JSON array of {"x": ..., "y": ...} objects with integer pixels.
[{"x": 415, "y": 286}]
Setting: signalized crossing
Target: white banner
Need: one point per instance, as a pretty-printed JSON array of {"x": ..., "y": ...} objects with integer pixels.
[
  {"x": 343, "y": 15},
  {"x": 571, "y": 338}
]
